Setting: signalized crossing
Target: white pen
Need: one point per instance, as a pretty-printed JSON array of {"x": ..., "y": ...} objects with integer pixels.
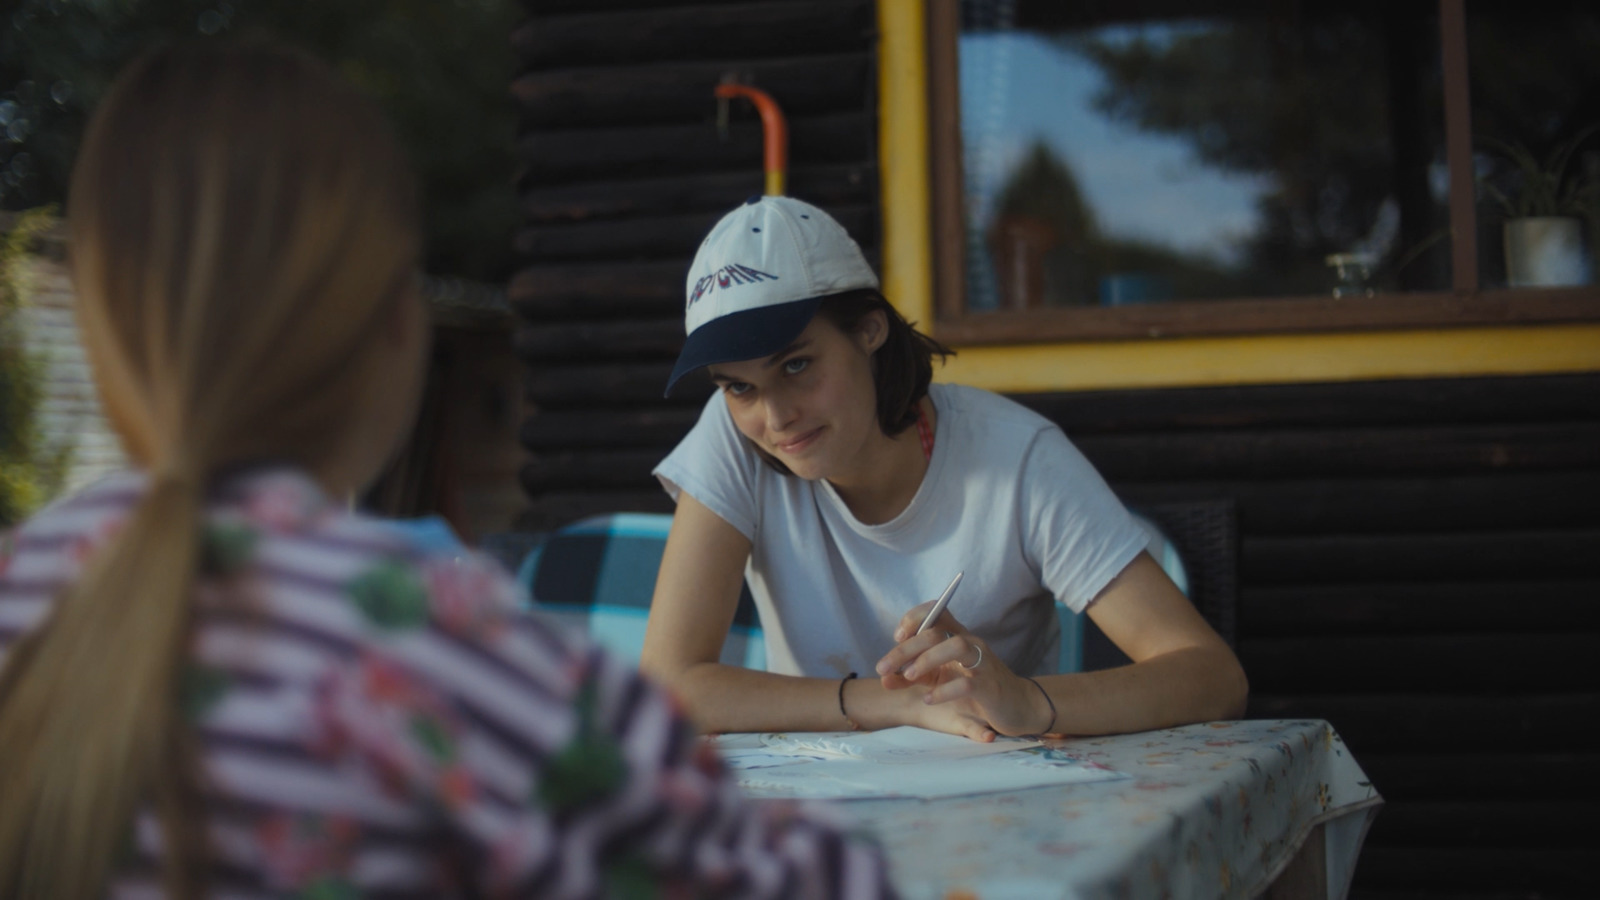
[{"x": 940, "y": 604}]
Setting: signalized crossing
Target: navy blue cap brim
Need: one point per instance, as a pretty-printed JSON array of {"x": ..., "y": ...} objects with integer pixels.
[{"x": 747, "y": 334}]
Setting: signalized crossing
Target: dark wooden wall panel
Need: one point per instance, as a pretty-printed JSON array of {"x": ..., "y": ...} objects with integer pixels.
[
  {"x": 676, "y": 91},
  {"x": 719, "y": 32},
  {"x": 551, "y": 157},
  {"x": 1419, "y": 564},
  {"x": 622, "y": 169}
]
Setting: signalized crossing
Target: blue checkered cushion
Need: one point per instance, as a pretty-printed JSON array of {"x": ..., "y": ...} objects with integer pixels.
[{"x": 599, "y": 574}]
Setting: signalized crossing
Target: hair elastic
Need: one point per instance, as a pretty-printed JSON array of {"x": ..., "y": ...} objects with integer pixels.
[
  {"x": 853, "y": 725},
  {"x": 1047, "y": 728}
]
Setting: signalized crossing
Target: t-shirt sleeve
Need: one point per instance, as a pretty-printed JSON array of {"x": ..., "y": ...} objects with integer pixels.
[
  {"x": 1078, "y": 534},
  {"x": 716, "y": 466}
]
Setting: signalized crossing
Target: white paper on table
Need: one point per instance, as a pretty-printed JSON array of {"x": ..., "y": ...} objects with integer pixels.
[
  {"x": 746, "y": 758},
  {"x": 926, "y": 765},
  {"x": 907, "y": 743}
]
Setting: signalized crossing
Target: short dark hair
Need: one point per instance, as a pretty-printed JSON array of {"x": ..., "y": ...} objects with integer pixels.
[{"x": 902, "y": 368}]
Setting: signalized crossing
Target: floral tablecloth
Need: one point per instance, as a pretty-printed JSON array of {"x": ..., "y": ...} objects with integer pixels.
[{"x": 1213, "y": 810}]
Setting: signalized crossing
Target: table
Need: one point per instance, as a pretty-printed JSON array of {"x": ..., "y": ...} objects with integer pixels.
[{"x": 1222, "y": 809}]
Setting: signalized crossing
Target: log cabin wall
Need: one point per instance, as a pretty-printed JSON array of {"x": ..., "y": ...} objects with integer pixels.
[
  {"x": 1417, "y": 557},
  {"x": 623, "y": 171},
  {"x": 1419, "y": 564}
]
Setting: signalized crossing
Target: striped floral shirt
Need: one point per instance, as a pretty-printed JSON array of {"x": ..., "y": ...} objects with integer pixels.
[{"x": 378, "y": 721}]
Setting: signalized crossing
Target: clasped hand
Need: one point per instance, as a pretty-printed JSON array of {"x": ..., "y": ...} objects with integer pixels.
[{"x": 964, "y": 686}]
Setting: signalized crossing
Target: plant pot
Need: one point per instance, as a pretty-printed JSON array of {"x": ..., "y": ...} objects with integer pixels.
[{"x": 1545, "y": 251}]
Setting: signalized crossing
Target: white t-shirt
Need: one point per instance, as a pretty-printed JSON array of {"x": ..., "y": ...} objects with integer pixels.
[{"x": 1007, "y": 499}]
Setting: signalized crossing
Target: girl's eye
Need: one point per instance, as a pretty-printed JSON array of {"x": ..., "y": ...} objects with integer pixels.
[
  {"x": 795, "y": 366},
  {"x": 736, "y": 387}
]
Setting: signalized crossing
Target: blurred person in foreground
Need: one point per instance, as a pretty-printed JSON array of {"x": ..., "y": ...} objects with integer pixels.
[{"x": 217, "y": 681}]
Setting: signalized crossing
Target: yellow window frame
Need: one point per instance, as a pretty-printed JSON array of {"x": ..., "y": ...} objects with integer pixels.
[{"x": 903, "y": 148}]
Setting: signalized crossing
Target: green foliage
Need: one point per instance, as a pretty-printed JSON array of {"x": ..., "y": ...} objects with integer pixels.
[
  {"x": 1301, "y": 105},
  {"x": 29, "y": 471},
  {"x": 440, "y": 70},
  {"x": 1042, "y": 187},
  {"x": 1543, "y": 187}
]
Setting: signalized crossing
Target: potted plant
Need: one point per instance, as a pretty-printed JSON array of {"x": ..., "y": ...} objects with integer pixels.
[{"x": 1544, "y": 210}]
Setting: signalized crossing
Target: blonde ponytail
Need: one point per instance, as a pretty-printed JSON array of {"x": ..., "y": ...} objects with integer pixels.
[
  {"x": 76, "y": 767},
  {"x": 242, "y": 221}
]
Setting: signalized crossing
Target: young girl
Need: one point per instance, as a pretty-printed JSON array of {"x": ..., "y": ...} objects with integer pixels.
[
  {"x": 214, "y": 678},
  {"x": 830, "y": 476}
]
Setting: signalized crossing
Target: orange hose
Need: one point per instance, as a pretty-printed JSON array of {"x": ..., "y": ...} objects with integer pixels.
[{"x": 774, "y": 132}]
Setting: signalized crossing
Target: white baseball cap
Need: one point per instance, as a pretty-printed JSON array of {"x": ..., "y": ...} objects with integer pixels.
[{"x": 759, "y": 277}]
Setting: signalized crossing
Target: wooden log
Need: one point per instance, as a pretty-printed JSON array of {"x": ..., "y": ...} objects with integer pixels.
[
  {"x": 1469, "y": 873},
  {"x": 663, "y": 237},
  {"x": 1501, "y": 607},
  {"x": 1503, "y": 500},
  {"x": 552, "y": 291},
  {"x": 551, "y": 510},
  {"x": 617, "y": 469},
  {"x": 562, "y": 156},
  {"x": 1491, "y": 663},
  {"x": 622, "y": 384},
  {"x": 1435, "y": 723},
  {"x": 1457, "y": 776},
  {"x": 680, "y": 92},
  {"x": 1327, "y": 452},
  {"x": 1538, "y": 398},
  {"x": 1447, "y": 557},
  {"x": 549, "y": 9},
  {"x": 825, "y": 186},
  {"x": 577, "y": 429},
  {"x": 1483, "y": 823},
  {"x": 656, "y": 237},
  {"x": 746, "y": 30},
  {"x": 634, "y": 340}
]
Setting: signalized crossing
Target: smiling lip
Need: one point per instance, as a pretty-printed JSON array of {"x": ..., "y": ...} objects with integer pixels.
[{"x": 800, "y": 443}]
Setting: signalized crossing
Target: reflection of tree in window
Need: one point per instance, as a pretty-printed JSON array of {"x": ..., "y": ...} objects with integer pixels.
[
  {"x": 1227, "y": 153},
  {"x": 1040, "y": 232},
  {"x": 1048, "y": 249},
  {"x": 1304, "y": 102}
]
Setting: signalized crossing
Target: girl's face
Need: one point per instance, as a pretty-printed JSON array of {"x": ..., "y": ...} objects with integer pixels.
[{"x": 812, "y": 405}]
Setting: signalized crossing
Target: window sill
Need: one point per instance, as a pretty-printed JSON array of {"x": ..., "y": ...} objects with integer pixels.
[{"x": 1194, "y": 318}]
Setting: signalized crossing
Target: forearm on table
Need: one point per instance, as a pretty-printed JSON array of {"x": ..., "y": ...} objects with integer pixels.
[
  {"x": 1194, "y": 684},
  {"x": 723, "y": 698}
]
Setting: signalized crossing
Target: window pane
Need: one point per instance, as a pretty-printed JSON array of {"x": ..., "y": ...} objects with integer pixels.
[
  {"x": 1535, "y": 81},
  {"x": 1118, "y": 160}
]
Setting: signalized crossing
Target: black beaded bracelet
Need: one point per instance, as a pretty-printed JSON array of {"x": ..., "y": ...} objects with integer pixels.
[
  {"x": 1052, "y": 703},
  {"x": 842, "y": 681}
]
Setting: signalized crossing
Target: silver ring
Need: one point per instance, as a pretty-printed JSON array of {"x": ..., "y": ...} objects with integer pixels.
[
  {"x": 949, "y": 634},
  {"x": 976, "y": 664}
]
